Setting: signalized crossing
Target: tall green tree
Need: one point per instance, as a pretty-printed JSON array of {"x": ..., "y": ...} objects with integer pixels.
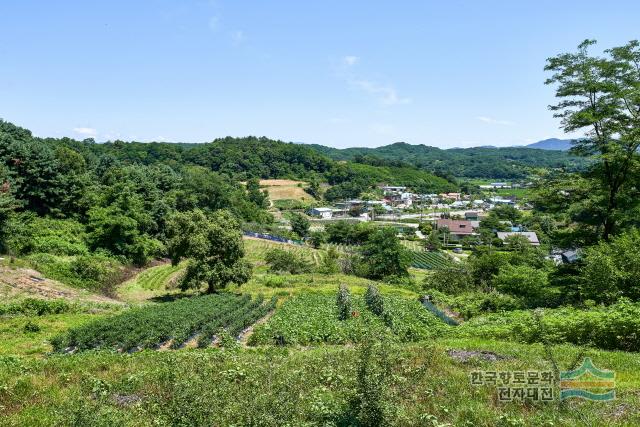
[
  {"x": 120, "y": 227},
  {"x": 300, "y": 224},
  {"x": 610, "y": 270},
  {"x": 257, "y": 196},
  {"x": 600, "y": 96},
  {"x": 48, "y": 177},
  {"x": 383, "y": 255},
  {"x": 8, "y": 204},
  {"x": 213, "y": 247}
]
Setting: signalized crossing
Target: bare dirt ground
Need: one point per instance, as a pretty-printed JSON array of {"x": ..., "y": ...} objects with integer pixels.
[
  {"x": 283, "y": 189},
  {"x": 279, "y": 182},
  {"x": 23, "y": 282}
]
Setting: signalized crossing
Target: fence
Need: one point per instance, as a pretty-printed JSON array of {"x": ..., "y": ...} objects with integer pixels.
[
  {"x": 439, "y": 313},
  {"x": 272, "y": 238}
]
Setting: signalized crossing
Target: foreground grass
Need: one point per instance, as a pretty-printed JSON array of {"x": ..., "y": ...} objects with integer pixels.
[
  {"x": 275, "y": 386},
  {"x": 16, "y": 340}
]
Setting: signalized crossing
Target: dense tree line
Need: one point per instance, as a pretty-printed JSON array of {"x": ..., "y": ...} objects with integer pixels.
[
  {"x": 478, "y": 162},
  {"x": 81, "y": 211}
]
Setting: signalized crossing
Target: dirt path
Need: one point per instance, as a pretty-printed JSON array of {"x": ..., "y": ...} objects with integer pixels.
[
  {"x": 246, "y": 334},
  {"x": 24, "y": 282}
]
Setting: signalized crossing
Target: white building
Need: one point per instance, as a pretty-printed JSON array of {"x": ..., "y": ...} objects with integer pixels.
[
  {"x": 388, "y": 190},
  {"x": 494, "y": 185},
  {"x": 501, "y": 201},
  {"x": 324, "y": 213}
]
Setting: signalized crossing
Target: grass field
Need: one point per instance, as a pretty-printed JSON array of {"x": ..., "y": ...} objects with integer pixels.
[
  {"x": 273, "y": 387},
  {"x": 256, "y": 249},
  {"x": 286, "y": 189}
]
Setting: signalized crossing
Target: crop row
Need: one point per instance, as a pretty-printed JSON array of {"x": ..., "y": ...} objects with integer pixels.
[
  {"x": 430, "y": 260},
  {"x": 312, "y": 319},
  {"x": 156, "y": 277},
  {"x": 177, "y": 322}
]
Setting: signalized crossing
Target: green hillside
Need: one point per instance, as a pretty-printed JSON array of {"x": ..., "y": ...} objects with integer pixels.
[{"x": 477, "y": 162}]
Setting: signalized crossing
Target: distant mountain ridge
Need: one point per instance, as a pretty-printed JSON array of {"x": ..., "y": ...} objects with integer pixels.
[
  {"x": 474, "y": 162},
  {"x": 552, "y": 144}
]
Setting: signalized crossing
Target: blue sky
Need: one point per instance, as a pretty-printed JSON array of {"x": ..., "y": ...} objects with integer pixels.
[{"x": 339, "y": 73}]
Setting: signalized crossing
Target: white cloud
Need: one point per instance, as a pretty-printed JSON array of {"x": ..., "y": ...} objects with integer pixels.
[
  {"x": 238, "y": 37},
  {"x": 86, "y": 132},
  {"x": 493, "y": 121},
  {"x": 350, "y": 60},
  {"x": 386, "y": 94}
]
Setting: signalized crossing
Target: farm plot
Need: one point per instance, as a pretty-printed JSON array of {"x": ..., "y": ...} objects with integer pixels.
[
  {"x": 156, "y": 277},
  {"x": 310, "y": 319},
  {"x": 430, "y": 260},
  {"x": 420, "y": 258},
  {"x": 256, "y": 250},
  {"x": 172, "y": 323}
]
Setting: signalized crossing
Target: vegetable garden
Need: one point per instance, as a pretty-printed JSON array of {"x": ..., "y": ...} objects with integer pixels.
[
  {"x": 172, "y": 323},
  {"x": 313, "y": 319},
  {"x": 430, "y": 260}
]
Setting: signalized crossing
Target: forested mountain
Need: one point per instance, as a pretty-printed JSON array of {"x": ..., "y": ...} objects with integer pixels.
[
  {"x": 478, "y": 162},
  {"x": 552, "y": 144},
  {"x": 60, "y": 176}
]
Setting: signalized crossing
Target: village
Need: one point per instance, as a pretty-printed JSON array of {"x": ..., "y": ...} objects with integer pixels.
[{"x": 453, "y": 218}]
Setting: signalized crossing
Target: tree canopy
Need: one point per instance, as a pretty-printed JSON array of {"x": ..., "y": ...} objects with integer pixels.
[{"x": 213, "y": 247}]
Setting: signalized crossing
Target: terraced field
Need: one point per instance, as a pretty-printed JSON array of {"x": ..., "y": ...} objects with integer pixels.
[
  {"x": 170, "y": 324},
  {"x": 150, "y": 283},
  {"x": 431, "y": 260},
  {"x": 156, "y": 277},
  {"x": 256, "y": 249}
]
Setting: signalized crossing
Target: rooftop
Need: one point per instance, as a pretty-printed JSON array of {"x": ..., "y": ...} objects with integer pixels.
[
  {"x": 530, "y": 235},
  {"x": 456, "y": 226}
]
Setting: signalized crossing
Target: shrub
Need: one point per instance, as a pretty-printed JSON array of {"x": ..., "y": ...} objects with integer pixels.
[
  {"x": 374, "y": 300},
  {"x": 471, "y": 304},
  {"x": 95, "y": 271},
  {"x": 35, "y": 307},
  {"x": 31, "y": 327},
  {"x": 317, "y": 238},
  {"x": 329, "y": 263},
  {"x": 31, "y": 234},
  {"x": 530, "y": 285},
  {"x": 283, "y": 261},
  {"x": 449, "y": 280},
  {"x": 610, "y": 328},
  {"x": 343, "y": 303},
  {"x": 271, "y": 281}
]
